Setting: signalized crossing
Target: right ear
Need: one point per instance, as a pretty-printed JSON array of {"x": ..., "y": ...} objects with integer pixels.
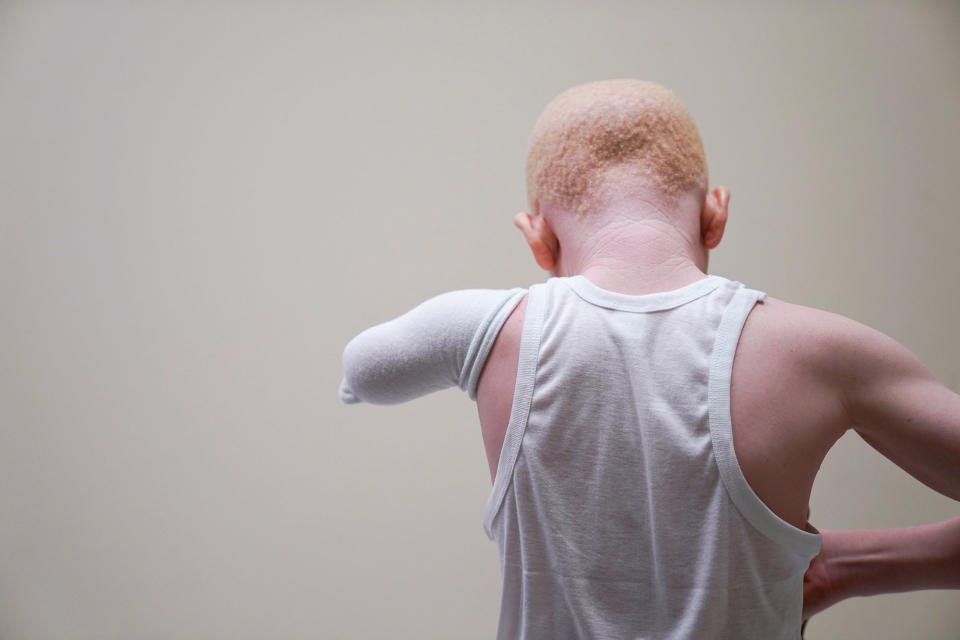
[
  {"x": 713, "y": 218},
  {"x": 543, "y": 242}
]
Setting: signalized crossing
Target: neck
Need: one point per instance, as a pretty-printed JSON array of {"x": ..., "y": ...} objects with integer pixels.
[{"x": 632, "y": 246}]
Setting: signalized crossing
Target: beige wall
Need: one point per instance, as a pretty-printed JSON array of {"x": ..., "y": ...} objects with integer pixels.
[{"x": 202, "y": 202}]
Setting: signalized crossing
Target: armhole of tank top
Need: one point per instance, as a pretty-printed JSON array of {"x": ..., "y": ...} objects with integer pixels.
[
  {"x": 746, "y": 500},
  {"x": 483, "y": 339},
  {"x": 522, "y": 397}
]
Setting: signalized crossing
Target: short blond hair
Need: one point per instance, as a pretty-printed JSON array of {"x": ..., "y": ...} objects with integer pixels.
[{"x": 640, "y": 126}]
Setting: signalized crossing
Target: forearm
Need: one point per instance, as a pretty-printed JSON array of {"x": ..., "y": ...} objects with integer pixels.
[{"x": 872, "y": 562}]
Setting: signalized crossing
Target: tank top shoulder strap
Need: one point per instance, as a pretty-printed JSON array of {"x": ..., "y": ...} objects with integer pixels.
[
  {"x": 522, "y": 396},
  {"x": 721, "y": 431},
  {"x": 484, "y": 336}
]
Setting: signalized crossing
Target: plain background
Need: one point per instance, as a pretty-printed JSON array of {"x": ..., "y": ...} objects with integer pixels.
[{"x": 202, "y": 202}]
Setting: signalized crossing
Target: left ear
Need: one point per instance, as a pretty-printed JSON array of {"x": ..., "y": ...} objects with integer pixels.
[
  {"x": 713, "y": 218},
  {"x": 538, "y": 234}
]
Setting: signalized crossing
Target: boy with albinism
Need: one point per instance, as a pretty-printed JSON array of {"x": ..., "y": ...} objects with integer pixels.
[{"x": 653, "y": 431}]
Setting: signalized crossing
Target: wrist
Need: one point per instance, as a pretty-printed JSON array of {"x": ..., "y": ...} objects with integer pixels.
[
  {"x": 844, "y": 567},
  {"x": 863, "y": 564}
]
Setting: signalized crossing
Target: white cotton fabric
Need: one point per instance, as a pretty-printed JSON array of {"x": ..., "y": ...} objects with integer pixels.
[
  {"x": 618, "y": 508},
  {"x": 441, "y": 343}
]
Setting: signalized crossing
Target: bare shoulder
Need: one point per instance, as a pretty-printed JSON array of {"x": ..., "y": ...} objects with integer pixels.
[
  {"x": 839, "y": 350},
  {"x": 786, "y": 409},
  {"x": 892, "y": 400},
  {"x": 827, "y": 356},
  {"x": 806, "y": 335}
]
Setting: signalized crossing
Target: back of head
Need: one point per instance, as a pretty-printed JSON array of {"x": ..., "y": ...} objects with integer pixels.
[{"x": 597, "y": 140}]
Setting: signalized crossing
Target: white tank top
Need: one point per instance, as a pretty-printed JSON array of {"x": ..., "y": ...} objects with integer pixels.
[{"x": 618, "y": 506}]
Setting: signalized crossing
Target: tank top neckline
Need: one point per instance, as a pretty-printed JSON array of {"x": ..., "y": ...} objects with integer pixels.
[{"x": 658, "y": 301}]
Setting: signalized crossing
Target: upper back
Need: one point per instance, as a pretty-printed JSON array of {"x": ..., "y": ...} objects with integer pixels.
[
  {"x": 784, "y": 415},
  {"x": 659, "y": 451}
]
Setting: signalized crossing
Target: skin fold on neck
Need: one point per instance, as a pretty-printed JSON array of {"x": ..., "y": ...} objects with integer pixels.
[{"x": 633, "y": 245}]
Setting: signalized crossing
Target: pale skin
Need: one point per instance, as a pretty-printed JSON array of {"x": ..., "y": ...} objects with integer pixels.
[{"x": 801, "y": 378}]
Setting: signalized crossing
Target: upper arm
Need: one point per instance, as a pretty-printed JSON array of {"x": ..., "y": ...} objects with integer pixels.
[
  {"x": 440, "y": 343},
  {"x": 896, "y": 404}
]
